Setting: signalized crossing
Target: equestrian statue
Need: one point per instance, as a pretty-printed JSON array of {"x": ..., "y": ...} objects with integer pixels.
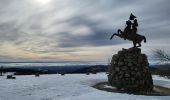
[{"x": 130, "y": 32}]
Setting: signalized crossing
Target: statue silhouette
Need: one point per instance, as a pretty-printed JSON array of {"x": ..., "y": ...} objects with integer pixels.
[
  {"x": 130, "y": 32},
  {"x": 132, "y": 17},
  {"x": 134, "y": 27},
  {"x": 126, "y": 31}
]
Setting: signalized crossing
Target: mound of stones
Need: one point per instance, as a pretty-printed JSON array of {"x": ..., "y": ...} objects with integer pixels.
[{"x": 129, "y": 71}]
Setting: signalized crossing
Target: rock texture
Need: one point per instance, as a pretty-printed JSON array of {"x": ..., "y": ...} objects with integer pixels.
[{"x": 129, "y": 71}]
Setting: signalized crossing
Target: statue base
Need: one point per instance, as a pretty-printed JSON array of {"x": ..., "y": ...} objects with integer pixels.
[{"x": 129, "y": 71}]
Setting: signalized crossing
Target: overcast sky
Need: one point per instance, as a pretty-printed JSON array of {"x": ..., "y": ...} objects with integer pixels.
[{"x": 78, "y": 30}]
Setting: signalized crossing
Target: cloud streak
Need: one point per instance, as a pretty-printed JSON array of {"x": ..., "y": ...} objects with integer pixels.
[{"x": 57, "y": 30}]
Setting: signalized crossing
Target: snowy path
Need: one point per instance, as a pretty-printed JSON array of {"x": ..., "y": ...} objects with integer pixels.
[{"x": 68, "y": 87}]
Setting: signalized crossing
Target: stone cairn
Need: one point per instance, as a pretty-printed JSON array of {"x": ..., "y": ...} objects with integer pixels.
[{"x": 129, "y": 71}]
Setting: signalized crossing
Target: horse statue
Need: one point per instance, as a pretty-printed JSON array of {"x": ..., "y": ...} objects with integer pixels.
[
  {"x": 136, "y": 38},
  {"x": 130, "y": 34}
]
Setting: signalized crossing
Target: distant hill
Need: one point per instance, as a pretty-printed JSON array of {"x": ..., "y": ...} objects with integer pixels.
[
  {"x": 55, "y": 69},
  {"x": 91, "y": 69},
  {"x": 163, "y": 70}
]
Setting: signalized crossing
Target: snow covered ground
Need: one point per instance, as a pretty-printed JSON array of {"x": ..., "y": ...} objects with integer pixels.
[{"x": 68, "y": 87}]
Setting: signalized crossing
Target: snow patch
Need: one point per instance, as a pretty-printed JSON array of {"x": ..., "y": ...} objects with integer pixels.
[{"x": 68, "y": 87}]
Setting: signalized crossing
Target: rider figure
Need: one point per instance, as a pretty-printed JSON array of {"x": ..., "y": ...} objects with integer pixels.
[
  {"x": 134, "y": 24},
  {"x": 131, "y": 27},
  {"x": 134, "y": 27},
  {"x": 127, "y": 29}
]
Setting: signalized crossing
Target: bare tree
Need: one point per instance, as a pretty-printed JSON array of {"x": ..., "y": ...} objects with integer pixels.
[{"x": 161, "y": 56}]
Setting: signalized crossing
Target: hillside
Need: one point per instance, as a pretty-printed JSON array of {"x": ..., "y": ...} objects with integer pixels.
[{"x": 163, "y": 70}]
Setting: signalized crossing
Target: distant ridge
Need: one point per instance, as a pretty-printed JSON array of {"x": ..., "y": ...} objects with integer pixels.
[{"x": 54, "y": 69}]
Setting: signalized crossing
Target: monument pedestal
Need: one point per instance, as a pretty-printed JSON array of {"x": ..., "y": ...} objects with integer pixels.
[{"x": 129, "y": 71}]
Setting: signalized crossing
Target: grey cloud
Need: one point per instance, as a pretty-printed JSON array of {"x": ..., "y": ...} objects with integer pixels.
[
  {"x": 99, "y": 37},
  {"x": 8, "y": 32},
  {"x": 102, "y": 17}
]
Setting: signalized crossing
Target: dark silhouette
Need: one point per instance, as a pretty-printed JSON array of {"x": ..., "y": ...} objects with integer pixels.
[
  {"x": 132, "y": 17},
  {"x": 11, "y": 77},
  {"x": 134, "y": 27},
  {"x": 126, "y": 31},
  {"x": 134, "y": 24},
  {"x": 72, "y": 69},
  {"x": 130, "y": 32},
  {"x": 1, "y": 71}
]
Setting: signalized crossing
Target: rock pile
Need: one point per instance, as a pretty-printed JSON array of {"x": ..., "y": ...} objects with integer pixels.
[{"x": 129, "y": 71}]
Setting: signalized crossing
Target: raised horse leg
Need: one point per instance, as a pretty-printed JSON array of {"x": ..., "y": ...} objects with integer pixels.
[
  {"x": 117, "y": 34},
  {"x": 119, "y": 31}
]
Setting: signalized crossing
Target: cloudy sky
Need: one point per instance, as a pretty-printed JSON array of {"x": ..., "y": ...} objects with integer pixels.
[{"x": 78, "y": 30}]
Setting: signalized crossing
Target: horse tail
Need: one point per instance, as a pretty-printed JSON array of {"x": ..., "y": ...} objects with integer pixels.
[{"x": 144, "y": 39}]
